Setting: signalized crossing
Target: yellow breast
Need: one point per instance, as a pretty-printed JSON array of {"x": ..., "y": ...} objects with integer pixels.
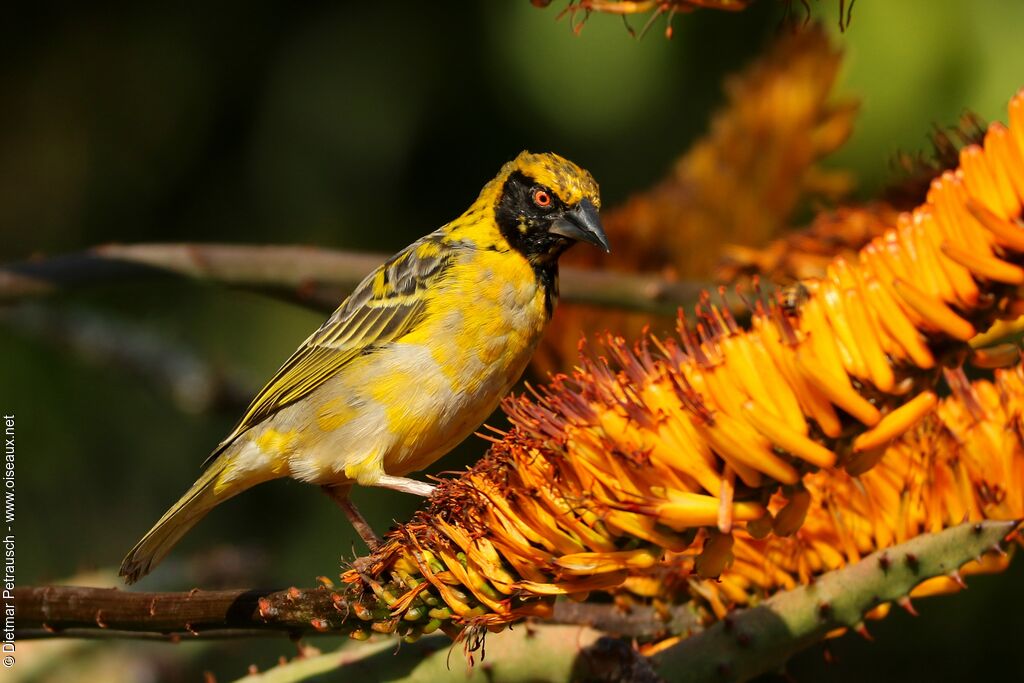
[{"x": 480, "y": 330}]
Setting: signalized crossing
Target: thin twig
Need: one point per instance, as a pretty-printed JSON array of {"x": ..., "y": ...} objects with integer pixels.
[{"x": 318, "y": 278}]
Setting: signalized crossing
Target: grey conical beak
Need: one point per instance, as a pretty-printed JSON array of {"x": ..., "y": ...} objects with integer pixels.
[{"x": 582, "y": 223}]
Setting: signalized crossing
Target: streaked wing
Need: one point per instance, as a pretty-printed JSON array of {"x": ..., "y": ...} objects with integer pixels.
[{"x": 384, "y": 307}]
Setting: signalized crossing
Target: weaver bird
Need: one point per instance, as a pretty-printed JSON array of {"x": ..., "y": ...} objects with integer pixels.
[{"x": 413, "y": 361}]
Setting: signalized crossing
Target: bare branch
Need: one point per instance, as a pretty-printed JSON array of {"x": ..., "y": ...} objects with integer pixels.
[
  {"x": 318, "y": 278},
  {"x": 74, "y": 611}
]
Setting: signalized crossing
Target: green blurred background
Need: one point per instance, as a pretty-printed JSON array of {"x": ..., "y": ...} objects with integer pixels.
[{"x": 364, "y": 126}]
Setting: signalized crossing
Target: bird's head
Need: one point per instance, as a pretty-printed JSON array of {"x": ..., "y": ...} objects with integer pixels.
[{"x": 545, "y": 204}]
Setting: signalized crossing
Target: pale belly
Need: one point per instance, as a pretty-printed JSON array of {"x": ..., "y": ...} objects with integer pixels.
[{"x": 397, "y": 410}]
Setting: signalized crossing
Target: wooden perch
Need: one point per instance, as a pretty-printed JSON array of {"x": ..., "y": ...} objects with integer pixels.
[{"x": 81, "y": 612}]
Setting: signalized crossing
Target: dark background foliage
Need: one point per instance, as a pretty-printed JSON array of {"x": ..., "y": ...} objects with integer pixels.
[{"x": 363, "y": 126}]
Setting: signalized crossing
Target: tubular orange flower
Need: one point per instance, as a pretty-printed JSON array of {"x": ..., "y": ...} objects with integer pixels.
[
  {"x": 964, "y": 462},
  {"x": 670, "y": 445}
]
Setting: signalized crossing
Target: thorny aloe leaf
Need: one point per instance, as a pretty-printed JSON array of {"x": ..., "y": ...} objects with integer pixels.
[{"x": 753, "y": 641}]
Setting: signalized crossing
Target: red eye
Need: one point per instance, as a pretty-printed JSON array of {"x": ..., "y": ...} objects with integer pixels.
[{"x": 542, "y": 198}]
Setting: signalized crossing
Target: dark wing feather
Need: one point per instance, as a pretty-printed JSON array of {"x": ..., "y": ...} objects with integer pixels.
[{"x": 385, "y": 306}]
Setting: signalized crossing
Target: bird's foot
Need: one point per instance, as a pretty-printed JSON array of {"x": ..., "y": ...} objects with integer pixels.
[
  {"x": 340, "y": 496},
  {"x": 405, "y": 485},
  {"x": 365, "y": 531}
]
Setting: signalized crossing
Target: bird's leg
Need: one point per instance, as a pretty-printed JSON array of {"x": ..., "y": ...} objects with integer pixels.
[
  {"x": 339, "y": 494},
  {"x": 405, "y": 485}
]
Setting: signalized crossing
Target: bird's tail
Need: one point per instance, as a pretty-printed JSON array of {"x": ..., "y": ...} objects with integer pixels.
[{"x": 183, "y": 515}]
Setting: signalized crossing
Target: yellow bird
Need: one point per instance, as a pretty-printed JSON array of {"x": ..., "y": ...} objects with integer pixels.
[{"x": 413, "y": 361}]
